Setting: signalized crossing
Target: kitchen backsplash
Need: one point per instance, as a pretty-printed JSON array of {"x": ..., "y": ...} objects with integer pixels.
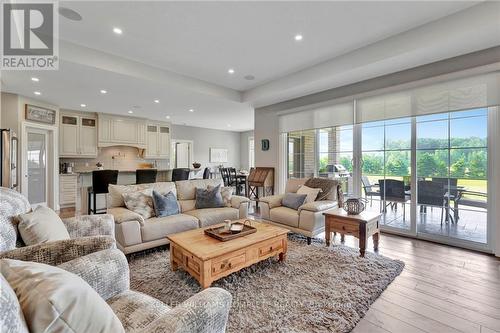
[{"x": 123, "y": 158}]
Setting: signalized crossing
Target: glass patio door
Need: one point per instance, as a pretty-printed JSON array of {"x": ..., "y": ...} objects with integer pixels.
[{"x": 386, "y": 170}]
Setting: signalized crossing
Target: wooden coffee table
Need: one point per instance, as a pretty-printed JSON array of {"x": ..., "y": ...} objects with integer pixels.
[
  {"x": 208, "y": 259},
  {"x": 361, "y": 226}
]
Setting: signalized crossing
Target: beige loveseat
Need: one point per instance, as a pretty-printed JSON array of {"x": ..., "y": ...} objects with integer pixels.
[
  {"x": 308, "y": 220},
  {"x": 134, "y": 233}
]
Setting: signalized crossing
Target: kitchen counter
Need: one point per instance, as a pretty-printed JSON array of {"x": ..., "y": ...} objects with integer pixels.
[{"x": 119, "y": 171}]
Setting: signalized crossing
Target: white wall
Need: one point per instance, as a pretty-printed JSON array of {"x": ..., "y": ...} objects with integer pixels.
[
  {"x": 244, "y": 151},
  {"x": 204, "y": 139}
]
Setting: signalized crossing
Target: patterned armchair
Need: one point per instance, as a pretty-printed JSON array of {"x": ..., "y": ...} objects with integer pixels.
[
  {"x": 108, "y": 273},
  {"x": 88, "y": 234}
]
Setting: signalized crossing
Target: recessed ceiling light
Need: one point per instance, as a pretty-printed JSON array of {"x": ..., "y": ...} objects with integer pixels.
[
  {"x": 228, "y": 125},
  {"x": 230, "y": 71},
  {"x": 83, "y": 105},
  {"x": 103, "y": 91},
  {"x": 35, "y": 79},
  {"x": 298, "y": 37},
  {"x": 168, "y": 117},
  {"x": 130, "y": 111},
  {"x": 117, "y": 31},
  {"x": 37, "y": 93},
  {"x": 157, "y": 101},
  {"x": 191, "y": 110},
  {"x": 249, "y": 77}
]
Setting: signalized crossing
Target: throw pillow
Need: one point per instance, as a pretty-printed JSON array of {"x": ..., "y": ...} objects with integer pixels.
[
  {"x": 12, "y": 318},
  {"x": 54, "y": 300},
  {"x": 209, "y": 198},
  {"x": 40, "y": 226},
  {"x": 226, "y": 193},
  {"x": 165, "y": 205},
  {"x": 312, "y": 193},
  {"x": 293, "y": 200},
  {"x": 140, "y": 202},
  {"x": 328, "y": 187}
]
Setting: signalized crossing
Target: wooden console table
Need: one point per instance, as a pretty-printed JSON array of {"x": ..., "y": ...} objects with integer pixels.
[{"x": 361, "y": 226}]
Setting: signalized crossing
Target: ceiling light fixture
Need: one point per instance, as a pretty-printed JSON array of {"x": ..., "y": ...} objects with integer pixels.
[
  {"x": 249, "y": 77},
  {"x": 298, "y": 37},
  {"x": 37, "y": 93},
  {"x": 168, "y": 117},
  {"x": 70, "y": 14},
  {"x": 83, "y": 105},
  {"x": 191, "y": 110},
  {"x": 103, "y": 91},
  {"x": 117, "y": 31},
  {"x": 230, "y": 71},
  {"x": 130, "y": 111},
  {"x": 35, "y": 79},
  {"x": 157, "y": 101}
]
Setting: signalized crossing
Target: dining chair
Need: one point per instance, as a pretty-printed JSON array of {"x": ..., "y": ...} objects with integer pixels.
[
  {"x": 431, "y": 193},
  {"x": 393, "y": 192},
  {"x": 234, "y": 181},
  {"x": 369, "y": 189},
  {"x": 225, "y": 176},
  {"x": 206, "y": 173}
]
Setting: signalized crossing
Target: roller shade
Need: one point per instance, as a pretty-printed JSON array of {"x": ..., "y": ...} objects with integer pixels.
[
  {"x": 327, "y": 116},
  {"x": 474, "y": 92}
]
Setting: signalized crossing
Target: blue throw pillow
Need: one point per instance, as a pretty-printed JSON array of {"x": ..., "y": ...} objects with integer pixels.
[
  {"x": 165, "y": 205},
  {"x": 209, "y": 198},
  {"x": 293, "y": 200}
]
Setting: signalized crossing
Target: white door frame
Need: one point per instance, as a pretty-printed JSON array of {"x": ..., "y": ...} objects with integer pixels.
[
  {"x": 173, "y": 152},
  {"x": 52, "y": 161}
]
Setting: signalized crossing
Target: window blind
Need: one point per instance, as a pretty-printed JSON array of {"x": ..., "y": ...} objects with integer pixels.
[
  {"x": 474, "y": 92},
  {"x": 326, "y": 116}
]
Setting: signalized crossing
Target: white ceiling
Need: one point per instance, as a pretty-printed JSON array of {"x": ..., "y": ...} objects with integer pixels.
[{"x": 179, "y": 52}]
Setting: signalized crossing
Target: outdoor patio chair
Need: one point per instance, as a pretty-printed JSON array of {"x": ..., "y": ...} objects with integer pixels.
[
  {"x": 369, "y": 189},
  {"x": 393, "y": 192},
  {"x": 431, "y": 193}
]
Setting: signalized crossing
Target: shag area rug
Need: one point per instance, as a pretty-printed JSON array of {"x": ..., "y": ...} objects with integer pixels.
[{"x": 316, "y": 289}]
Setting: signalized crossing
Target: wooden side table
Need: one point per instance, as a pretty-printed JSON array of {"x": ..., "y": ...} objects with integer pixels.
[{"x": 361, "y": 226}]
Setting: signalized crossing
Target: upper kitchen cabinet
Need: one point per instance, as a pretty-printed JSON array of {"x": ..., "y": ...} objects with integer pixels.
[
  {"x": 78, "y": 135},
  {"x": 158, "y": 141},
  {"x": 124, "y": 131}
]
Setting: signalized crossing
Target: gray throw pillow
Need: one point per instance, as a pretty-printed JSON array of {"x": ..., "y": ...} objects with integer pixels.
[
  {"x": 293, "y": 200},
  {"x": 165, "y": 205},
  {"x": 209, "y": 198}
]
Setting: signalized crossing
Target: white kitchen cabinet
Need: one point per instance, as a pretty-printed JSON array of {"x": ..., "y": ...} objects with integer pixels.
[
  {"x": 78, "y": 135},
  {"x": 158, "y": 141},
  {"x": 115, "y": 130}
]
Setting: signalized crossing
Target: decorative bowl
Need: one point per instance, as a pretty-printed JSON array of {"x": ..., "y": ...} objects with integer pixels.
[
  {"x": 196, "y": 165},
  {"x": 353, "y": 206}
]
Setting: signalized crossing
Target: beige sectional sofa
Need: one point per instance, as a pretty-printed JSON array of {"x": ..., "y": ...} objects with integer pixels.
[
  {"x": 308, "y": 220},
  {"x": 134, "y": 233}
]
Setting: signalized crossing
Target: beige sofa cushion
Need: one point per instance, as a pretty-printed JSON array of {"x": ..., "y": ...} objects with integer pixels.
[
  {"x": 40, "y": 226},
  {"x": 285, "y": 215},
  {"x": 187, "y": 205},
  {"x": 115, "y": 195},
  {"x": 311, "y": 193},
  {"x": 293, "y": 184},
  {"x": 159, "y": 227},
  {"x": 54, "y": 300},
  {"x": 186, "y": 189},
  {"x": 210, "y": 216}
]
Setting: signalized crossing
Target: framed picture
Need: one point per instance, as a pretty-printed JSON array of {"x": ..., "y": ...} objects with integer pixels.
[
  {"x": 265, "y": 144},
  {"x": 218, "y": 155},
  {"x": 39, "y": 114}
]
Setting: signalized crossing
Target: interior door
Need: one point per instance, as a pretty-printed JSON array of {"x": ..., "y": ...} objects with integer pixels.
[
  {"x": 182, "y": 154},
  {"x": 37, "y": 166}
]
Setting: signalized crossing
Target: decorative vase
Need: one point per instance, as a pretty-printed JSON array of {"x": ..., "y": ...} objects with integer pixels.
[{"x": 354, "y": 206}]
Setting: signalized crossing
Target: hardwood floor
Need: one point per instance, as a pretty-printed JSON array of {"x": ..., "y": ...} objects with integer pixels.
[{"x": 442, "y": 289}]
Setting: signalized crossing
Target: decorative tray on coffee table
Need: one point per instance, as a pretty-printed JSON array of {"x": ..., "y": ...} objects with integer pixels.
[{"x": 222, "y": 234}]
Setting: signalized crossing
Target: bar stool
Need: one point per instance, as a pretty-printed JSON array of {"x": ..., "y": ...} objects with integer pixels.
[
  {"x": 145, "y": 176},
  {"x": 180, "y": 174},
  {"x": 100, "y": 181}
]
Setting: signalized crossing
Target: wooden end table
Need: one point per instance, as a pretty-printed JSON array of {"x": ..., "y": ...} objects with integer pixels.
[
  {"x": 208, "y": 259},
  {"x": 361, "y": 226}
]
